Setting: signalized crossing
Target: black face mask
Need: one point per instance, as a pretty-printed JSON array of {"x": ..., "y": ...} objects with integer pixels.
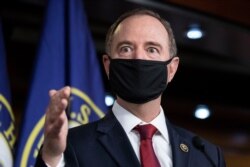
[{"x": 138, "y": 81}]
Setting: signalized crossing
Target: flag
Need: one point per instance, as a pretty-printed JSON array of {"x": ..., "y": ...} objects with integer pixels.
[
  {"x": 66, "y": 56},
  {"x": 7, "y": 135}
]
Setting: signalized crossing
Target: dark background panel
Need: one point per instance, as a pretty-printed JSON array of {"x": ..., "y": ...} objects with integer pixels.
[{"x": 214, "y": 70}]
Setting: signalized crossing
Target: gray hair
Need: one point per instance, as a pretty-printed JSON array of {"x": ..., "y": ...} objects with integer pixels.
[{"x": 110, "y": 33}]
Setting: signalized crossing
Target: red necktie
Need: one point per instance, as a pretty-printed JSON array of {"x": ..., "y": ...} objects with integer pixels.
[{"x": 148, "y": 157}]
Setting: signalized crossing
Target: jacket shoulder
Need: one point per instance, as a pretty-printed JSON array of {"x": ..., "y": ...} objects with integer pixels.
[
  {"x": 191, "y": 137},
  {"x": 201, "y": 147}
]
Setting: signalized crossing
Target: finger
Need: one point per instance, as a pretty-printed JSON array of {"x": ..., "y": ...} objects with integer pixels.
[
  {"x": 58, "y": 104},
  {"x": 55, "y": 111},
  {"x": 65, "y": 92},
  {"x": 58, "y": 98},
  {"x": 64, "y": 104},
  {"x": 52, "y": 92},
  {"x": 63, "y": 98},
  {"x": 55, "y": 128}
]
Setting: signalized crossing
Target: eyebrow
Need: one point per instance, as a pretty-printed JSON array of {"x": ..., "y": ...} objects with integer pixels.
[{"x": 154, "y": 44}]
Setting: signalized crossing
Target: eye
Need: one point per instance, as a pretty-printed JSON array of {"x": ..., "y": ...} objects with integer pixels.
[
  {"x": 153, "y": 50},
  {"x": 125, "y": 49}
]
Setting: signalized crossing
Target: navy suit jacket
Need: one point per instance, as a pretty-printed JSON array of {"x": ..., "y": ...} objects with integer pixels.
[{"x": 105, "y": 144}]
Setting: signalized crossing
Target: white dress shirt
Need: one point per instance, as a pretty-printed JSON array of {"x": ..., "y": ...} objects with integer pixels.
[{"x": 160, "y": 139}]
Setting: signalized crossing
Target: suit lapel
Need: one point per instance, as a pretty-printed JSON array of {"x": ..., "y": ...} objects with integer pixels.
[
  {"x": 181, "y": 149},
  {"x": 116, "y": 142}
]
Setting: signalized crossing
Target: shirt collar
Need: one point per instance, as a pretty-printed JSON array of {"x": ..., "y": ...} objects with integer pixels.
[{"x": 123, "y": 116}]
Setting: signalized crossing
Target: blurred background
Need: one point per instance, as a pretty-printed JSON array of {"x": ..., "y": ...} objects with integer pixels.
[{"x": 213, "y": 38}]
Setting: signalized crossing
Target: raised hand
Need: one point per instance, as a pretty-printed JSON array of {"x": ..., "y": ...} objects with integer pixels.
[{"x": 56, "y": 126}]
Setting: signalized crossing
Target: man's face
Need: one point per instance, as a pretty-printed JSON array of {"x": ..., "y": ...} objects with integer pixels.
[{"x": 140, "y": 37}]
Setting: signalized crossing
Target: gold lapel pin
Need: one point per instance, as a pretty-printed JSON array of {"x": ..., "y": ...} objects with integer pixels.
[{"x": 184, "y": 147}]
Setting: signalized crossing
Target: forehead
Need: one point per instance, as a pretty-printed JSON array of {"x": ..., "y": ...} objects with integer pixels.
[{"x": 141, "y": 27}]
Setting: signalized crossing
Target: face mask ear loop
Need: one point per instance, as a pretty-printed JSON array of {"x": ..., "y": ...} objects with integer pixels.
[
  {"x": 170, "y": 60},
  {"x": 109, "y": 57}
]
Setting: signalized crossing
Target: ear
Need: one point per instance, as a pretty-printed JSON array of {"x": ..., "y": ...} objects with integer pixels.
[
  {"x": 172, "y": 68},
  {"x": 106, "y": 62}
]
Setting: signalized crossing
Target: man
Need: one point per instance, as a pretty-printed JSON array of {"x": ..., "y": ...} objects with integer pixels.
[{"x": 140, "y": 62}]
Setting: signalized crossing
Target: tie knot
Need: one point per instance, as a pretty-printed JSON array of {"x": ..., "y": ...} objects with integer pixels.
[{"x": 146, "y": 131}]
